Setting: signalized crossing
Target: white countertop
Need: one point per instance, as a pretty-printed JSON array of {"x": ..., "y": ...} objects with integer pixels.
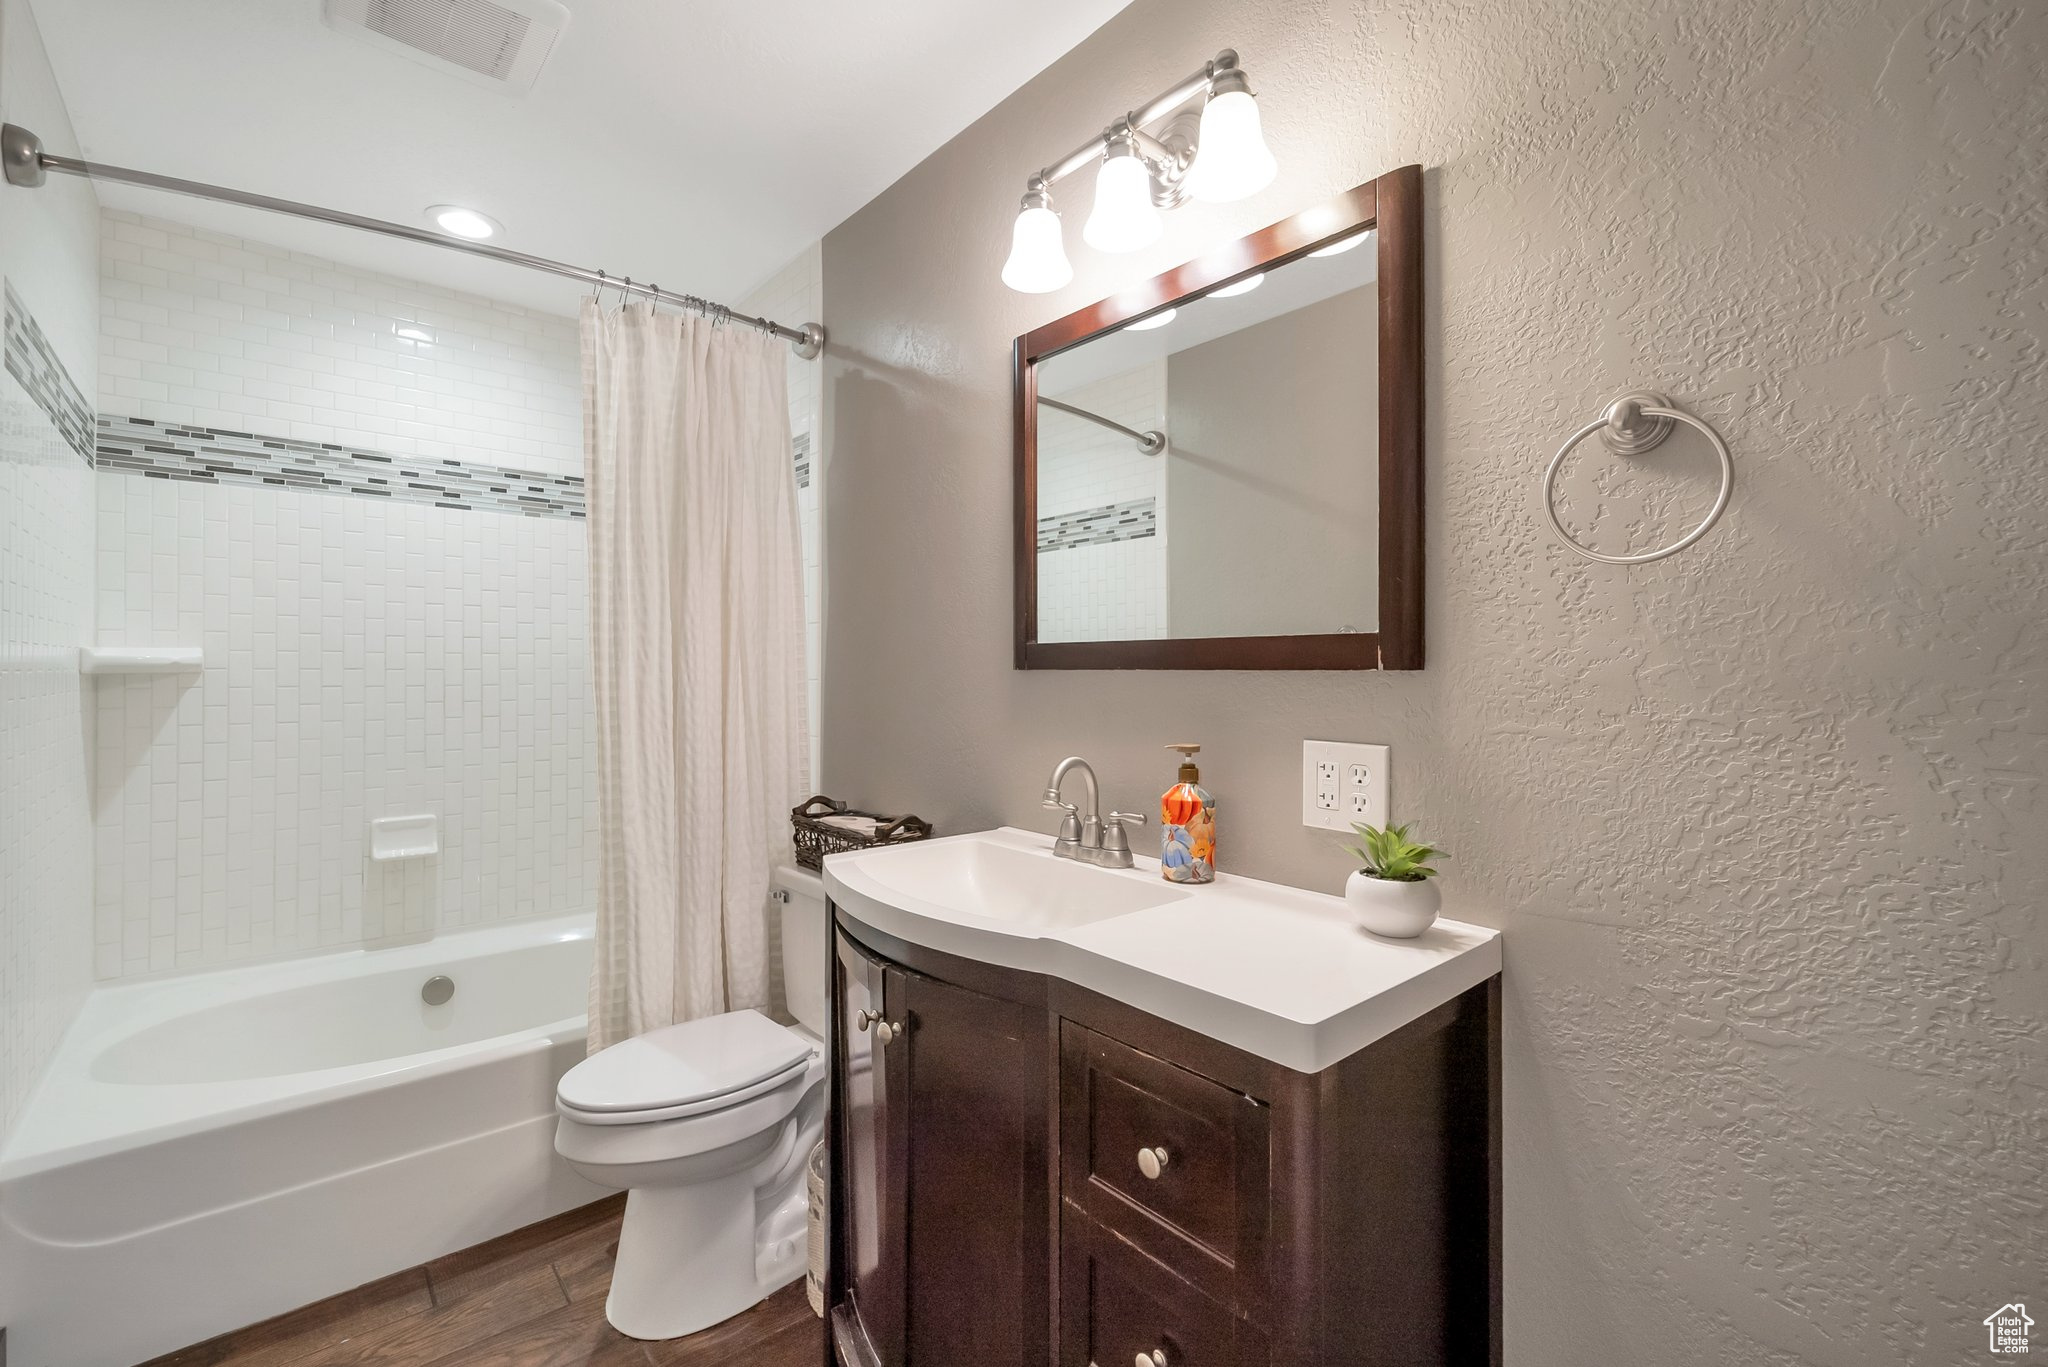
[{"x": 1276, "y": 971}]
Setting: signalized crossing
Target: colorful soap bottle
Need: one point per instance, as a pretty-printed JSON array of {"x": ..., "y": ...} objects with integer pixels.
[{"x": 1187, "y": 816}]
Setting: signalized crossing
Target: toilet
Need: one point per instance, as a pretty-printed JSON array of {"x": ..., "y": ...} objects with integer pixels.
[{"x": 707, "y": 1126}]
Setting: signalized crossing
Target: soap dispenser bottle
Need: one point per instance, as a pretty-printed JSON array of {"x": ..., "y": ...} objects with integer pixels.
[{"x": 1187, "y": 817}]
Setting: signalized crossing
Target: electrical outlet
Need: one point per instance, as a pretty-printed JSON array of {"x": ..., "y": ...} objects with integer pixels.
[
  {"x": 1326, "y": 786},
  {"x": 1343, "y": 784}
]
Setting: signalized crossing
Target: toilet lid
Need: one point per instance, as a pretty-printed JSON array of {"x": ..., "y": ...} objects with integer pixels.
[{"x": 678, "y": 1065}]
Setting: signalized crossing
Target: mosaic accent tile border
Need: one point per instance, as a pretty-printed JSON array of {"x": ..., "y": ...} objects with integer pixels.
[
  {"x": 208, "y": 455},
  {"x": 1099, "y": 526},
  {"x": 801, "y": 450},
  {"x": 33, "y": 362}
]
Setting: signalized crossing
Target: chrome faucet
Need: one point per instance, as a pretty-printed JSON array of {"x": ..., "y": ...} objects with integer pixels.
[{"x": 1088, "y": 838}]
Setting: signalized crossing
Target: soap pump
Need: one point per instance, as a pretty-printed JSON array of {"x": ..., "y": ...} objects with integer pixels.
[{"x": 1187, "y": 816}]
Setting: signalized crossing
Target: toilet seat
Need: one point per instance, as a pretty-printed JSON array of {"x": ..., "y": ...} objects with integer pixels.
[{"x": 692, "y": 1068}]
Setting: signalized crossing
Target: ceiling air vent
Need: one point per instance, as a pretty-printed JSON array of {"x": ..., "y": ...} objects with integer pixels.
[{"x": 496, "y": 43}]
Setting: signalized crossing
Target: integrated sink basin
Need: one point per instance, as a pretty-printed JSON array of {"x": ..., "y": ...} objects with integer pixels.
[
  {"x": 973, "y": 876},
  {"x": 1280, "y": 972}
]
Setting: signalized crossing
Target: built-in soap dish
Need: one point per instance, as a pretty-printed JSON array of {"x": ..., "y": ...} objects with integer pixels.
[
  {"x": 404, "y": 837},
  {"x": 140, "y": 659}
]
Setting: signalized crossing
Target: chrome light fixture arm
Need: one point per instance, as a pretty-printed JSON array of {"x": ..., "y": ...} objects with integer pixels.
[{"x": 1156, "y": 150}]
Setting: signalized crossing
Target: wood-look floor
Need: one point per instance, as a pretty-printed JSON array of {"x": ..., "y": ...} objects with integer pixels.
[{"x": 534, "y": 1298}]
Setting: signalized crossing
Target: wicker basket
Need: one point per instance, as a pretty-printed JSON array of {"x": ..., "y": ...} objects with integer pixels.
[{"x": 814, "y": 839}]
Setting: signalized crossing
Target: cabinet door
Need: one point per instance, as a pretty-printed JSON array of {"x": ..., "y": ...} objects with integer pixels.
[
  {"x": 980, "y": 1214},
  {"x": 872, "y": 1126}
]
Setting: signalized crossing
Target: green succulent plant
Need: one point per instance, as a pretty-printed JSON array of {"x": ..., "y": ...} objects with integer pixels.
[{"x": 1388, "y": 853}]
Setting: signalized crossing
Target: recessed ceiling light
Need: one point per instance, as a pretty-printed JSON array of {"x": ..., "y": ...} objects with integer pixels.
[
  {"x": 1244, "y": 286},
  {"x": 1344, "y": 245},
  {"x": 1157, "y": 320},
  {"x": 461, "y": 222}
]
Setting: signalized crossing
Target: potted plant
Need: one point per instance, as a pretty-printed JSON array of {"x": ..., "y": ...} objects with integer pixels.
[{"x": 1392, "y": 894}]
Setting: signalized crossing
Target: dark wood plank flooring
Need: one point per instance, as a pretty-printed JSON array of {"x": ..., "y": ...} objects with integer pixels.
[{"x": 534, "y": 1298}]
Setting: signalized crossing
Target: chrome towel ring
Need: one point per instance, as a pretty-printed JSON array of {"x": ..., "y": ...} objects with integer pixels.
[{"x": 1633, "y": 424}]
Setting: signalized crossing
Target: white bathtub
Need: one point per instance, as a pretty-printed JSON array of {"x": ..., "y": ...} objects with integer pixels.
[{"x": 210, "y": 1150}]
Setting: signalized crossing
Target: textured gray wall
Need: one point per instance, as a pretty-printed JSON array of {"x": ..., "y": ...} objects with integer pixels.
[{"x": 1763, "y": 822}]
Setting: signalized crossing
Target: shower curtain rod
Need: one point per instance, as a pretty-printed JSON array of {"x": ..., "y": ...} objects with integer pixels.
[
  {"x": 28, "y": 165},
  {"x": 1151, "y": 443}
]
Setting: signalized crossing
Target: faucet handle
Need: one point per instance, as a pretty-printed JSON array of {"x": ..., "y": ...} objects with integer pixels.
[
  {"x": 1113, "y": 837},
  {"x": 1070, "y": 824}
]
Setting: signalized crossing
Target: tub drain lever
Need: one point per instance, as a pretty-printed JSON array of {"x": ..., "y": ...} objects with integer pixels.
[{"x": 437, "y": 989}]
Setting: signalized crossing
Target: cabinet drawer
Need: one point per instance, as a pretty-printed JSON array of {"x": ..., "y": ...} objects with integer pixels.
[
  {"x": 1168, "y": 1158},
  {"x": 1120, "y": 1308}
]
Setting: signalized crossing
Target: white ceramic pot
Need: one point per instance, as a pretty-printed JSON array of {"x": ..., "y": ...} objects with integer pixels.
[{"x": 1399, "y": 911}]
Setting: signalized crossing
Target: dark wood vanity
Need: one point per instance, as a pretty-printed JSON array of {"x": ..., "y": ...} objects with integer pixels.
[{"x": 1025, "y": 1172}]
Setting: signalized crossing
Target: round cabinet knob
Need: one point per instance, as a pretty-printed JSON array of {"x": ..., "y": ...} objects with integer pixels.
[
  {"x": 1152, "y": 1162},
  {"x": 1155, "y": 1358},
  {"x": 863, "y": 1019},
  {"x": 885, "y": 1031}
]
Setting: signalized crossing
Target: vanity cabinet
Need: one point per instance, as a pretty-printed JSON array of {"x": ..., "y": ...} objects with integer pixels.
[
  {"x": 1027, "y": 1172},
  {"x": 940, "y": 1118}
]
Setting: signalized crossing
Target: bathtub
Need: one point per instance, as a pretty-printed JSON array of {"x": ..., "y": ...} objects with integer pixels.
[{"x": 210, "y": 1150}]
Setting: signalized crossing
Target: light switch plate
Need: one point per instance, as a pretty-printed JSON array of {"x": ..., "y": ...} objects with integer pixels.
[{"x": 1343, "y": 784}]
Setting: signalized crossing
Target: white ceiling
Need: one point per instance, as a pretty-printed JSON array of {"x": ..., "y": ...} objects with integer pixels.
[{"x": 700, "y": 145}]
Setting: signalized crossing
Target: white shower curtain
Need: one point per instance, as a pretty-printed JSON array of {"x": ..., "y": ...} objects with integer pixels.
[{"x": 697, "y": 645}]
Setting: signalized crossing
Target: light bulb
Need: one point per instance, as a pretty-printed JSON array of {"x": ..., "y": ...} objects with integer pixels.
[
  {"x": 1038, "y": 259},
  {"x": 1123, "y": 219},
  {"x": 1157, "y": 320},
  {"x": 1231, "y": 161},
  {"x": 1244, "y": 286}
]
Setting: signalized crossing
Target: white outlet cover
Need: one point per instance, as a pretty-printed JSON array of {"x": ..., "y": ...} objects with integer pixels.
[{"x": 1361, "y": 773}]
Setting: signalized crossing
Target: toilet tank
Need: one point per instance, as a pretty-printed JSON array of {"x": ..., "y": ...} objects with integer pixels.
[{"x": 801, "y": 896}]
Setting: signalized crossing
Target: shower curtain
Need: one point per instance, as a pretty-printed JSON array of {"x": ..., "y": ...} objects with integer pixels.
[{"x": 697, "y": 646}]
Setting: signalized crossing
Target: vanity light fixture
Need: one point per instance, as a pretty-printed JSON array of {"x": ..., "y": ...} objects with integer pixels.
[
  {"x": 1157, "y": 320},
  {"x": 1237, "y": 287},
  {"x": 1201, "y": 139},
  {"x": 465, "y": 223}
]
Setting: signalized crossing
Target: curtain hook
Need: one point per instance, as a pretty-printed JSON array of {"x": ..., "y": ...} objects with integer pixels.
[{"x": 597, "y": 290}]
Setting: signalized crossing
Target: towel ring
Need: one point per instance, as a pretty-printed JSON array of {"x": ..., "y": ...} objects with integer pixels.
[{"x": 1633, "y": 424}]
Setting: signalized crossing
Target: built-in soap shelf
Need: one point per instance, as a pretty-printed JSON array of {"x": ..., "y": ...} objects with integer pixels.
[
  {"x": 140, "y": 659},
  {"x": 404, "y": 837}
]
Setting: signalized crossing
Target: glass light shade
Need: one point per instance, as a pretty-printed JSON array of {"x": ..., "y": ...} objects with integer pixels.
[
  {"x": 1231, "y": 161},
  {"x": 1123, "y": 219},
  {"x": 1244, "y": 286},
  {"x": 1157, "y": 320},
  {"x": 1038, "y": 259}
]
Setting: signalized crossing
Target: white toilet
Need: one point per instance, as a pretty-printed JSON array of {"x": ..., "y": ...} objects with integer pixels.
[{"x": 707, "y": 1126}]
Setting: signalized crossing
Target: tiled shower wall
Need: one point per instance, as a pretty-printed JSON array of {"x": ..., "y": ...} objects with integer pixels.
[
  {"x": 1102, "y": 514},
  {"x": 394, "y": 628},
  {"x": 377, "y": 539},
  {"x": 202, "y": 328},
  {"x": 47, "y": 247}
]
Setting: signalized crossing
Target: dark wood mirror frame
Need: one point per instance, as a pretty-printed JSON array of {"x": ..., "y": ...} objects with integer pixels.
[{"x": 1393, "y": 205}]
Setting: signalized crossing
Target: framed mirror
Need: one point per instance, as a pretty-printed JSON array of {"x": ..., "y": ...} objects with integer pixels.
[{"x": 1221, "y": 467}]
